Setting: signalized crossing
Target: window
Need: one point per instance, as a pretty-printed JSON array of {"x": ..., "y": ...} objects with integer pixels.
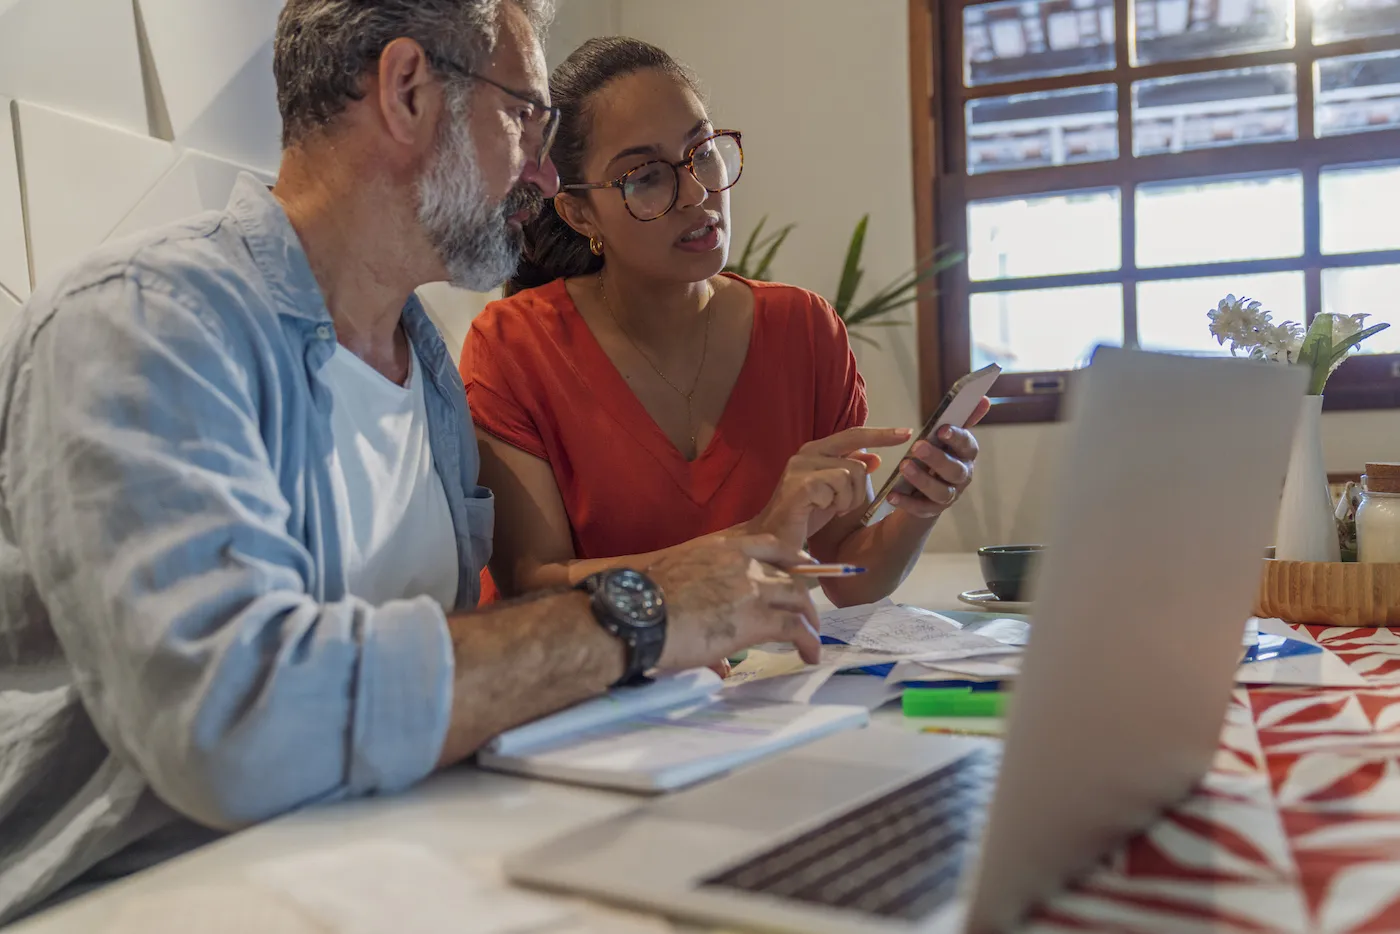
[{"x": 1112, "y": 168}]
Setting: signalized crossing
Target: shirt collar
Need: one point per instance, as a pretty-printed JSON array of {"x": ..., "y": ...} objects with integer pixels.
[
  {"x": 277, "y": 250},
  {"x": 282, "y": 261}
]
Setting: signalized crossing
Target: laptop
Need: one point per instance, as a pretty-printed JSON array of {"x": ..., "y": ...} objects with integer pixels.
[{"x": 1165, "y": 500}]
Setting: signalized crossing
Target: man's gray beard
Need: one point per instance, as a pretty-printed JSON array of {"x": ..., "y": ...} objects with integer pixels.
[{"x": 475, "y": 242}]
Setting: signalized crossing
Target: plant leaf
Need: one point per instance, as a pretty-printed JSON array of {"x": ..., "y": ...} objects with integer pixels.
[
  {"x": 861, "y": 316},
  {"x": 940, "y": 260},
  {"x": 751, "y": 245},
  {"x": 904, "y": 290},
  {"x": 1316, "y": 352},
  {"x": 851, "y": 273},
  {"x": 767, "y": 261},
  {"x": 1341, "y": 351}
]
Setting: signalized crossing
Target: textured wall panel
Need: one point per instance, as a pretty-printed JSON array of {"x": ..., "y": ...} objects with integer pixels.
[
  {"x": 200, "y": 47},
  {"x": 198, "y": 182},
  {"x": 241, "y": 124},
  {"x": 81, "y": 179},
  {"x": 80, "y": 56},
  {"x": 14, "y": 258}
]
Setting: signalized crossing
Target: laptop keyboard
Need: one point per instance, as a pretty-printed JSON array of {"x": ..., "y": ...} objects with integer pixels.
[{"x": 899, "y": 856}]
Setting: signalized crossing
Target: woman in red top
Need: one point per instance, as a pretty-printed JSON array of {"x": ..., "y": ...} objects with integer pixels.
[{"x": 632, "y": 399}]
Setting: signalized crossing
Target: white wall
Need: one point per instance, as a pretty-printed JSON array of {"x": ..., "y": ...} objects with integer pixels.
[{"x": 116, "y": 115}]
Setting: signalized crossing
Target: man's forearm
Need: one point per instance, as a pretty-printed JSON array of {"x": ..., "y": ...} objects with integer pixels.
[{"x": 522, "y": 660}]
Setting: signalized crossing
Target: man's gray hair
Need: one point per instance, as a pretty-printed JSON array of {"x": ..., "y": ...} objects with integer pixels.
[{"x": 324, "y": 48}]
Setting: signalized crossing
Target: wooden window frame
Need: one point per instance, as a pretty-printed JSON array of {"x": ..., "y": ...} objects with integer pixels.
[{"x": 942, "y": 189}]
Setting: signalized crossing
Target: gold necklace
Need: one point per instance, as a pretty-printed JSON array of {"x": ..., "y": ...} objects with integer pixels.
[{"x": 704, "y": 352}]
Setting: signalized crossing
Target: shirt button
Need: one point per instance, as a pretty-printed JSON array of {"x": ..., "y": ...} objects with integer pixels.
[{"x": 324, "y": 332}]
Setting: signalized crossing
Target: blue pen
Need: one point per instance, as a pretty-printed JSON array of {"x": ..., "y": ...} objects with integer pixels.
[{"x": 825, "y": 570}]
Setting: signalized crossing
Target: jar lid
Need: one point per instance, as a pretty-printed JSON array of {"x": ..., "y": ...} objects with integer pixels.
[{"x": 1382, "y": 478}]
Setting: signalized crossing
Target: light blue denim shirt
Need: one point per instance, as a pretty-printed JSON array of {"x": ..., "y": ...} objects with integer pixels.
[{"x": 177, "y": 647}]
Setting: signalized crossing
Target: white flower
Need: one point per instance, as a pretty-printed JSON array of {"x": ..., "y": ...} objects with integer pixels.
[
  {"x": 1248, "y": 327},
  {"x": 1345, "y": 327},
  {"x": 1281, "y": 342}
]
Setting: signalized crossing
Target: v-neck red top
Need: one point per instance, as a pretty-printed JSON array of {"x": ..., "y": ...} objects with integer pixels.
[{"x": 537, "y": 379}]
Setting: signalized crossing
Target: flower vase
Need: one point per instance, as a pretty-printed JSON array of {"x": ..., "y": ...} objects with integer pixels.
[{"x": 1307, "y": 525}]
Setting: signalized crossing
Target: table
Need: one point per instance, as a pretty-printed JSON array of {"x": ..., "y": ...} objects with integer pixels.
[{"x": 1296, "y": 828}]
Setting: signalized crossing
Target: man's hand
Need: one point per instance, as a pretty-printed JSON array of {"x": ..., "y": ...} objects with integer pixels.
[{"x": 725, "y": 595}]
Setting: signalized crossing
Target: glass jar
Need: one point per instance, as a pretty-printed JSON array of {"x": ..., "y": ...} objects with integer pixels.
[{"x": 1378, "y": 516}]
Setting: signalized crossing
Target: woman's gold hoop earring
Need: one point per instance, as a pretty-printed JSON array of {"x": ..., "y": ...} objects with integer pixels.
[{"x": 595, "y": 246}]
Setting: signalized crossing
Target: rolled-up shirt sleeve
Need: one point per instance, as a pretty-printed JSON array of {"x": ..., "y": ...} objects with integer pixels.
[{"x": 140, "y": 488}]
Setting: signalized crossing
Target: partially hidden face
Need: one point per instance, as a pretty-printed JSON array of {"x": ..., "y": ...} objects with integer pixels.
[
  {"x": 640, "y": 123},
  {"x": 481, "y": 186}
]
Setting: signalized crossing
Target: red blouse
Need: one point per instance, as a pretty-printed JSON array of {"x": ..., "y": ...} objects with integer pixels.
[{"x": 537, "y": 379}]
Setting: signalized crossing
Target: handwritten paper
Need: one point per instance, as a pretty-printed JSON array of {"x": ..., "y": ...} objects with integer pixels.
[{"x": 902, "y": 630}]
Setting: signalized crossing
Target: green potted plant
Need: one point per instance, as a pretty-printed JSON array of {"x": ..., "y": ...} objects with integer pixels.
[
  {"x": 760, "y": 251},
  {"x": 873, "y": 312}
]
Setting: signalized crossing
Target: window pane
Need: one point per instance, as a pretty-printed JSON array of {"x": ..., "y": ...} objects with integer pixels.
[
  {"x": 1026, "y": 131},
  {"x": 1034, "y": 38},
  {"x": 1258, "y": 217},
  {"x": 1219, "y": 108},
  {"x": 1176, "y": 30},
  {"x": 1336, "y": 20},
  {"x": 1172, "y": 313},
  {"x": 1366, "y": 290},
  {"x": 1360, "y": 207},
  {"x": 1356, "y": 93},
  {"x": 1026, "y": 236},
  {"x": 1045, "y": 329}
]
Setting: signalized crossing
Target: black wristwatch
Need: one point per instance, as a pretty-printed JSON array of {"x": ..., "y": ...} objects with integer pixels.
[{"x": 630, "y": 606}]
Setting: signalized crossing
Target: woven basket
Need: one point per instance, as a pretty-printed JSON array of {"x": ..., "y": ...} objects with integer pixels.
[{"x": 1337, "y": 594}]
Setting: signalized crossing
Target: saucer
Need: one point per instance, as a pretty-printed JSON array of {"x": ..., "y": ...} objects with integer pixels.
[{"x": 986, "y": 600}]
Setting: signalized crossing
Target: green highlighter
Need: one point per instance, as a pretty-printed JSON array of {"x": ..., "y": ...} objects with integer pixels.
[{"x": 953, "y": 702}]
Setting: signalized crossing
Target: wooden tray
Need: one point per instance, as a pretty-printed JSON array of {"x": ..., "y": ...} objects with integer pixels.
[{"x": 1337, "y": 594}]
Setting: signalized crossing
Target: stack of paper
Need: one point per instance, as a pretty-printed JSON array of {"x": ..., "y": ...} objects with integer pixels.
[{"x": 900, "y": 643}]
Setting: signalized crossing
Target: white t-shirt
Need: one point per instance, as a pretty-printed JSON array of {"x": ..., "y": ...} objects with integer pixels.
[{"x": 390, "y": 505}]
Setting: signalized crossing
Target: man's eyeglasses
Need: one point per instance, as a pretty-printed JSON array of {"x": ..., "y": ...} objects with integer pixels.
[
  {"x": 540, "y": 113},
  {"x": 651, "y": 189}
]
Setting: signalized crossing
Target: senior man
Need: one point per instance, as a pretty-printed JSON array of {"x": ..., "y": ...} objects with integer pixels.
[{"x": 240, "y": 531}]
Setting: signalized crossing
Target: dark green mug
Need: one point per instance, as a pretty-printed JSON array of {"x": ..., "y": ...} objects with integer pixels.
[{"x": 1007, "y": 569}]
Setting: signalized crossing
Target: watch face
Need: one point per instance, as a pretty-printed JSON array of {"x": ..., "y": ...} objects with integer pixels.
[{"x": 634, "y": 597}]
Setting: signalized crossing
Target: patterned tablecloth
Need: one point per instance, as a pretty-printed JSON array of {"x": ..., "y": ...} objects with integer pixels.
[{"x": 1296, "y": 828}]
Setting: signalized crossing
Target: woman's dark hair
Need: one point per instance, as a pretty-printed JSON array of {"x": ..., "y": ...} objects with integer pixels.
[{"x": 553, "y": 249}]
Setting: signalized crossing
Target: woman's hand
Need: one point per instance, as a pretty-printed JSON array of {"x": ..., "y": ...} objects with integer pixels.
[
  {"x": 824, "y": 479},
  {"x": 939, "y": 473}
]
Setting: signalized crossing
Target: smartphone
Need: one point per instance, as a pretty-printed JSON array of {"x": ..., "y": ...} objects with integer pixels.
[{"x": 956, "y": 408}]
